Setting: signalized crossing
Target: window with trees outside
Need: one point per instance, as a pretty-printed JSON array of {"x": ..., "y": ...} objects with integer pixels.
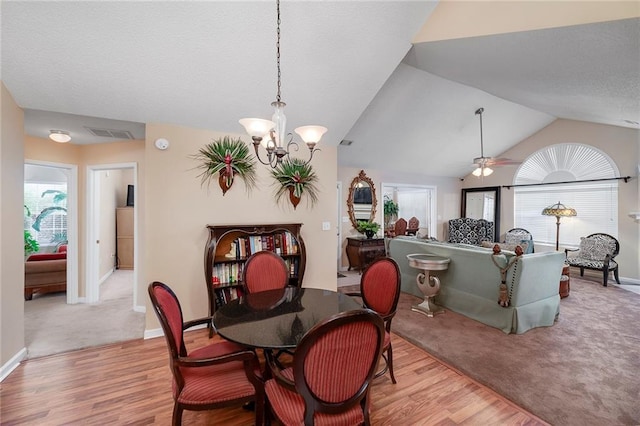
[
  {"x": 567, "y": 164},
  {"x": 46, "y": 212}
]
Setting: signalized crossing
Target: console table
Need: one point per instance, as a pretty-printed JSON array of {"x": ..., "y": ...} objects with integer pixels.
[
  {"x": 362, "y": 251},
  {"x": 428, "y": 284}
]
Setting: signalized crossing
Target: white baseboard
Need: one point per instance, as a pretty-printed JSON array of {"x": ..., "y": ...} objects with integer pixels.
[
  {"x": 631, "y": 281},
  {"x": 12, "y": 364},
  {"x": 138, "y": 308},
  {"x": 152, "y": 334},
  {"x": 107, "y": 275}
]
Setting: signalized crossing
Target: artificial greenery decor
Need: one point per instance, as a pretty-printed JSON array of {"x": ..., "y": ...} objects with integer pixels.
[
  {"x": 30, "y": 244},
  {"x": 368, "y": 228},
  {"x": 391, "y": 209},
  {"x": 227, "y": 158},
  {"x": 295, "y": 178}
]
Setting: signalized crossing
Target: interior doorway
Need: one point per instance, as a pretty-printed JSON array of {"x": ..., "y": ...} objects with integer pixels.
[
  {"x": 414, "y": 201},
  {"x": 111, "y": 190},
  {"x": 44, "y": 172}
]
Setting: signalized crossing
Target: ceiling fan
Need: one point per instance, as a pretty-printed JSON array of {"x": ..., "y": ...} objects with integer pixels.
[{"x": 483, "y": 163}]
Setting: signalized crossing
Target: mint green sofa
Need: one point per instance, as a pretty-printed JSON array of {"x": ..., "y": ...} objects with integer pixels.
[{"x": 470, "y": 286}]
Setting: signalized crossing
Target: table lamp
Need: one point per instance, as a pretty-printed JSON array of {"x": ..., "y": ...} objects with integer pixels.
[{"x": 558, "y": 210}]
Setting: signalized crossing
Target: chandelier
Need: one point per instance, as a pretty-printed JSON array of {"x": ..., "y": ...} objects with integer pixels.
[{"x": 272, "y": 134}]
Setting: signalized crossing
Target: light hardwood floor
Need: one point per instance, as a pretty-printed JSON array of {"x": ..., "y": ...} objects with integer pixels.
[{"x": 130, "y": 383}]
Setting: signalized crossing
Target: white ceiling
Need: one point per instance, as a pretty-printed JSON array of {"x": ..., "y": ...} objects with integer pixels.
[{"x": 346, "y": 65}]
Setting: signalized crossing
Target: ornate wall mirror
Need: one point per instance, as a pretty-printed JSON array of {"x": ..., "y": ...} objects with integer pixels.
[
  {"x": 362, "y": 200},
  {"x": 482, "y": 203}
]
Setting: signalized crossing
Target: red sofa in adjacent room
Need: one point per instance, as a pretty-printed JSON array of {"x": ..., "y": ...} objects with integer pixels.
[{"x": 45, "y": 273}]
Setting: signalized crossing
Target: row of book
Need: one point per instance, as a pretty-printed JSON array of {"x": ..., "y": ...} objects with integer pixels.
[
  {"x": 282, "y": 244},
  {"x": 225, "y": 295},
  {"x": 228, "y": 274}
]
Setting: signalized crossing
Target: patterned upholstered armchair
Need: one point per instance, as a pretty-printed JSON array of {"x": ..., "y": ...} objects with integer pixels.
[
  {"x": 518, "y": 236},
  {"x": 596, "y": 252},
  {"x": 470, "y": 231}
]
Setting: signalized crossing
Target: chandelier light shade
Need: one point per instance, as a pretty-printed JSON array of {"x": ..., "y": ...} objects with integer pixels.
[
  {"x": 558, "y": 210},
  {"x": 59, "y": 136},
  {"x": 272, "y": 134}
]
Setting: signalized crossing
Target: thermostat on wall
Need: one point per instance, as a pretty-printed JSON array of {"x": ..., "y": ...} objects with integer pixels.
[{"x": 162, "y": 143}]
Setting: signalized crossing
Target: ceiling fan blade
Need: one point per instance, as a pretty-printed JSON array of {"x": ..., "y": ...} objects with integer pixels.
[{"x": 502, "y": 162}]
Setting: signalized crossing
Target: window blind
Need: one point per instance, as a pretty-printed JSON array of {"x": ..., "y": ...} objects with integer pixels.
[{"x": 596, "y": 205}]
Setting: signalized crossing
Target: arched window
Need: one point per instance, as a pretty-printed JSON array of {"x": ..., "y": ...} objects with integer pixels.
[{"x": 595, "y": 202}]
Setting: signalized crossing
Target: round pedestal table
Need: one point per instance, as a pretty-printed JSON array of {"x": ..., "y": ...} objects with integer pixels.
[{"x": 429, "y": 285}]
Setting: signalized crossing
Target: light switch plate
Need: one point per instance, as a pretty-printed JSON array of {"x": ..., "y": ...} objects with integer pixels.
[{"x": 326, "y": 226}]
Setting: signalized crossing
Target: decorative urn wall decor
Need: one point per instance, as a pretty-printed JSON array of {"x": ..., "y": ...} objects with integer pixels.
[
  {"x": 295, "y": 178},
  {"x": 225, "y": 159}
]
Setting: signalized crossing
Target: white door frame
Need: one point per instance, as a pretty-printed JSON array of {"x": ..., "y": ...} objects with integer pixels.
[
  {"x": 339, "y": 222},
  {"x": 71, "y": 170},
  {"x": 92, "y": 223}
]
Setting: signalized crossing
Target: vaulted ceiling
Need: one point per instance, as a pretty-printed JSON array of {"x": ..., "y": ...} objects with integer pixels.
[{"x": 350, "y": 66}]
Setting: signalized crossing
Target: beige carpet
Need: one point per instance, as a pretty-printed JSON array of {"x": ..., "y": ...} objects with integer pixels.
[
  {"x": 52, "y": 326},
  {"x": 584, "y": 370}
]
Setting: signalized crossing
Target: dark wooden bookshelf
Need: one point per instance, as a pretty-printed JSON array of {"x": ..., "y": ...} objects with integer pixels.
[{"x": 223, "y": 265}]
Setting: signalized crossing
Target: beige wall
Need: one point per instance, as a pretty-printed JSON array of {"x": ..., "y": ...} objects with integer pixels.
[
  {"x": 622, "y": 145},
  {"x": 177, "y": 209},
  {"x": 448, "y": 192},
  {"x": 11, "y": 225},
  {"x": 458, "y": 19}
]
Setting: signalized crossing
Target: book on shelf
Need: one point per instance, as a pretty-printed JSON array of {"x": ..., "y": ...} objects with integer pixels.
[
  {"x": 227, "y": 294},
  {"x": 282, "y": 243}
]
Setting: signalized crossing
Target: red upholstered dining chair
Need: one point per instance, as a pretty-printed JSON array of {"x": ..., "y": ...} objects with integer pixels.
[
  {"x": 380, "y": 291},
  {"x": 264, "y": 270},
  {"x": 217, "y": 375},
  {"x": 332, "y": 370}
]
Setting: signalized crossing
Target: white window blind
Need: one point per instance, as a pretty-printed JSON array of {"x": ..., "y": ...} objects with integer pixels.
[{"x": 595, "y": 203}]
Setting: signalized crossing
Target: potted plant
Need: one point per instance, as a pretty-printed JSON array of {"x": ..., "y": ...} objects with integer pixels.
[
  {"x": 390, "y": 211},
  {"x": 369, "y": 228},
  {"x": 225, "y": 159},
  {"x": 295, "y": 178},
  {"x": 30, "y": 244}
]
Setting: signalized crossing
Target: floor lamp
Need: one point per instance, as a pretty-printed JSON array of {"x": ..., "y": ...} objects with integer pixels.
[{"x": 558, "y": 210}]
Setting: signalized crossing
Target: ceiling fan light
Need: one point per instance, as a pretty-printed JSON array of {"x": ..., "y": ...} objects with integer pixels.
[
  {"x": 59, "y": 136},
  {"x": 482, "y": 171}
]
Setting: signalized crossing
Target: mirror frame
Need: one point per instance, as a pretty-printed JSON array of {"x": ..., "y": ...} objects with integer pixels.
[
  {"x": 362, "y": 177},
  {"x": 496, "y": 207}
]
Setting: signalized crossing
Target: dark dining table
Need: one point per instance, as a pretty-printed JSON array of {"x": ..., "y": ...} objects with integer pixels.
[{"x": 277, "y": 319}]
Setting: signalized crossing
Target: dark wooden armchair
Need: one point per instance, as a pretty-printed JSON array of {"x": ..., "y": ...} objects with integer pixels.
[
  {"x": 218, "y": 375},
  {"x": 264, "y": 270},
  {"x": 596, "y": 252},
  {"x": 380, "y": 291},
  {"x": 333, "y": 367}
]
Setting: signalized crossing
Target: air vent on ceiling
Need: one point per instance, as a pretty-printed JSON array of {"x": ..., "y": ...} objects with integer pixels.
[
  {"x": 110, "y": 133},
  {"x": 345, "y": 142}
]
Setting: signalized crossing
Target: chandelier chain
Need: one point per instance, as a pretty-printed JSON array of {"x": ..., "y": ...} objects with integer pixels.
[{"x": 278, "y": 49}]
